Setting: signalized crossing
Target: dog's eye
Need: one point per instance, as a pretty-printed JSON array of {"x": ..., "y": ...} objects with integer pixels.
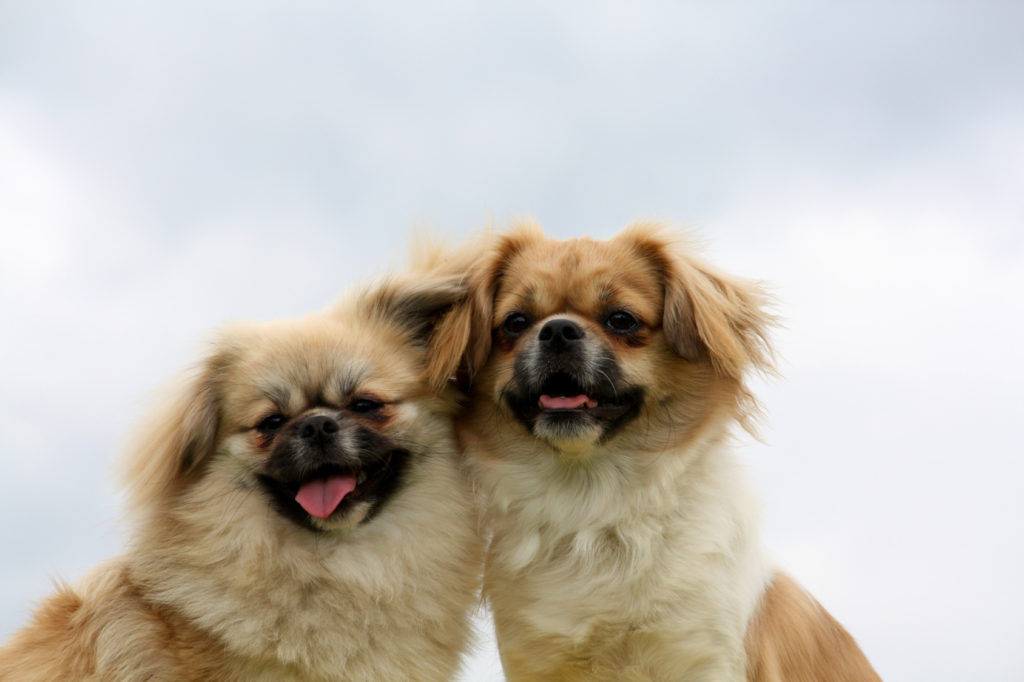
[
  {"x": 365, "y": 405},
  {"x": 622, "y": 322},
  {"x": 271, "y": 424},
  {"x": 515, "y": 324}
]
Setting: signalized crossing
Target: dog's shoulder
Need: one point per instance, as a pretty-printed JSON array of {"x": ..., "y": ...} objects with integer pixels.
[
  {"x": 62, "y": 639},
  {"x": 41, "y": 650},
  {"x": 103, "y": 628}
]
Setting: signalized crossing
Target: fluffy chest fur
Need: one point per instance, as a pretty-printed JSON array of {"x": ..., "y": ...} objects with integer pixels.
[{"x": 621, "y": 562}]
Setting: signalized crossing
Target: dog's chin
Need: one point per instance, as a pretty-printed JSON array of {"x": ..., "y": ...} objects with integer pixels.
[
  {"x": 355, "y": 514},
  {"x": 571, "y": 432},
  {"x": 572, "y": 416},
  {"x": 334, "y": 498}
]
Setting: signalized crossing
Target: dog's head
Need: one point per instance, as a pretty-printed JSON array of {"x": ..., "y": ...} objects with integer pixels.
[
  {"x": 319, "y": 418},
  {"x": 585, "y": 342}
]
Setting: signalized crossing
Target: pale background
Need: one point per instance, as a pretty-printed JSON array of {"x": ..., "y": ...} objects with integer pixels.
[{"x": 168, "y": 166}]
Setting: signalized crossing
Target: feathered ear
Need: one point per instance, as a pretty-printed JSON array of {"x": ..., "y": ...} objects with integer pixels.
[
  {"x": 708, "y": 315},
  {"x": 419, "y": 306},
  {"x": 178, "y": 436},
  {"x": 415, "y": 305},
  {"x": 462, "y": 338}
]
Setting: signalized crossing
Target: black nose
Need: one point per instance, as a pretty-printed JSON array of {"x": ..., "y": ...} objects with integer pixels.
[
  {"x": 560, "y": 333},
  {"x": 318, "y": 429}
]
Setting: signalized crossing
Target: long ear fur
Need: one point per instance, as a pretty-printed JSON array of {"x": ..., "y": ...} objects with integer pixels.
[
  {"x": 415, "y": 305},
  {"x": 418, "y": 304},
  {"x": 708, "y": 314},
  {"x": 462, "y": 339},
  {"x": 178, "y": 436}
]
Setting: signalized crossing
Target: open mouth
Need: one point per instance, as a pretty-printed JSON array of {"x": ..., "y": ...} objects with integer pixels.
[
  {"x": 564, "y": 399},
  {"x": 322, "y": 493},
  {"x": 331, "y": 490},
  {"x": 561, "y": 392}
]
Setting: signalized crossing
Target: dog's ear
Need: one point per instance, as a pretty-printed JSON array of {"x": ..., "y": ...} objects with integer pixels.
[
  {"x": 428, "y": 309},
  {"x": 415, "y": 305},
  {"x": 708, "y": 315},
  {"x": 462, "y": 339},
  {"x": 179, "y": 435}
]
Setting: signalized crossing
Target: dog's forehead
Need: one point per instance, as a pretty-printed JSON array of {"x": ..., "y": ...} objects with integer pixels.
[
  {"x": 297, "y": 368},
  {"x": 294, "y": 378},
  {"x": 581, "y": 273}
]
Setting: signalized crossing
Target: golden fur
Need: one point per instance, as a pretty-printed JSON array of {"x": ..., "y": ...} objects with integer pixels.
[
  {"x": 218, "y": 585},
  {"x": 623, "y": 535},
  {"x": 792, "y": 638}
]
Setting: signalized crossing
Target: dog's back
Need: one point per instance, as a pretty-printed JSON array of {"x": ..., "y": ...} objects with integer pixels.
[
  {"x": 792, "y": 638},
  {"x": 104, "y": 629}
]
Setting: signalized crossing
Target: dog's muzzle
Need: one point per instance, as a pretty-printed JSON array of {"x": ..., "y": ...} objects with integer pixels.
[{"x": 568, "y": 383}]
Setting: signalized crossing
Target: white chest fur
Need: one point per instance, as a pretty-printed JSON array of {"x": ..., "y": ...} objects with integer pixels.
[{"x": 584, "y": 555}]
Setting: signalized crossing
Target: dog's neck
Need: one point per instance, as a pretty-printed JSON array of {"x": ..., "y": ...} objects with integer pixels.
[{"x": 533, "y": 492}]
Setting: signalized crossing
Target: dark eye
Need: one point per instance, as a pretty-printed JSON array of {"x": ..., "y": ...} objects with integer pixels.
[
  {"x": 365, "y": 405},
  {"x": 515, "y": 324},
  {"x": 622, "y": 322},
  {"x": 271, "y": 424}
]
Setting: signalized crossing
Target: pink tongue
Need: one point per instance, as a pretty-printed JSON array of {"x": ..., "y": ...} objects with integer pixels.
[
  {"x": 321, "y": 497},
  {"x": 560, "y": 402}
]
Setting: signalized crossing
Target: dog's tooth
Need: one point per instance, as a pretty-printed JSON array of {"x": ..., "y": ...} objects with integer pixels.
[{"x": 361, "y": 477}]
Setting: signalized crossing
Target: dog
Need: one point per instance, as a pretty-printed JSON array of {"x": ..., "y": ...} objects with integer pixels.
[
  {"x": 298, "y": 510},
  {"x": 604, "y": 378}
]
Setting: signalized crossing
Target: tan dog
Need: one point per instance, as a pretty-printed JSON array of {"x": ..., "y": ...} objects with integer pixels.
[
  {"x": 299, "y": 515},
  {"x": 606, "y": 377}
]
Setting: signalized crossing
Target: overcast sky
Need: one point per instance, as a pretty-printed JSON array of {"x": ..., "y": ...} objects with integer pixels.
[{"x": 169, "y": 166}]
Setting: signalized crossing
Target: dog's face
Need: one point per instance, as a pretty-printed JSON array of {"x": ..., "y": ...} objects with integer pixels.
[
  {"x": 320, "y": 417},
  {"x": 626, "y": 341},
  {"x": 573, "y": 333}
]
